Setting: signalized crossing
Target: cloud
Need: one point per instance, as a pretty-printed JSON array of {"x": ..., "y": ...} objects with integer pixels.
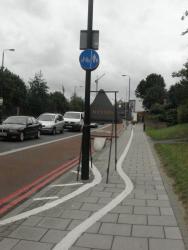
[{"x": 136, "y": 38}]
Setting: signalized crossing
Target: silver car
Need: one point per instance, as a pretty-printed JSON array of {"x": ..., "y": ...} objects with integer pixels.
[{"x": 51, "y": 123}]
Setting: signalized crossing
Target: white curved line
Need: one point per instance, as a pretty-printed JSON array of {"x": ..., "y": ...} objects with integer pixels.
[
  {"x": 73, "y": 235},
  {"x": 97, "y": 180}
]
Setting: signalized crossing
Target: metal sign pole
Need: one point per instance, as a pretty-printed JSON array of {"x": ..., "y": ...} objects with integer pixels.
[
  {"x": 115, "y": 131},
  {"x": 86, "y": 127}
]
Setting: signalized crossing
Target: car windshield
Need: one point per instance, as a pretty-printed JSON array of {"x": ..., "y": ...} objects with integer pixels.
[
  {"x": 15, "y": 120},
  {"x": 72, "y": 115},
  {"x": 46, "y": 117}
]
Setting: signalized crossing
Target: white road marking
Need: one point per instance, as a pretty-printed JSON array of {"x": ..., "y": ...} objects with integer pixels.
[
  {"x": 75, "y": 172},
  {"x": 46, "y": 198},
  {"x": 42, "y": 144},
  {"x": 66, "y": 185},
  {"x": 97, "y": 179},
  {"x": 73, "y": 235}
]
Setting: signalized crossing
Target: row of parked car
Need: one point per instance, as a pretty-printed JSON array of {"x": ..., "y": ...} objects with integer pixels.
[{"x": 21, "y": 127}]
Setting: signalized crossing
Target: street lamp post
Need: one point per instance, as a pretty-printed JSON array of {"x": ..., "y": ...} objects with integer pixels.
[
  {"x": 3, "y": 56},
  {"x": 1, "y": 86},
  {"x": 129, "y": 95}
]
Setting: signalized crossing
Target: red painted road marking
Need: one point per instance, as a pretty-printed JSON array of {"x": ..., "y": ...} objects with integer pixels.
[
  {"x": 25, "y": 188},
  {"x": 39, "y": 183}
]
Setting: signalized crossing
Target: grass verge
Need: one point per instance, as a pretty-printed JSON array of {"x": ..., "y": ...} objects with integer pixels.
[
  {"x": 174, "y": 132},
  {"x": 175, "y": 161}
]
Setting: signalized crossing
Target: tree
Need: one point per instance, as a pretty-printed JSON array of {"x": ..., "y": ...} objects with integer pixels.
[
  {"x": 37, "y": 95},
  {"x": 152, "y": 90},
  {"x": 14, "y": 93},
  {"x": 76, "y": 103},
  {"x": 179, "y": 92},
  {"x": 58, "y": 103}
]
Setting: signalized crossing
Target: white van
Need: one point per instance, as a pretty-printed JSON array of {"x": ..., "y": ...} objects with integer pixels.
[{"x": 74, "y": 120}]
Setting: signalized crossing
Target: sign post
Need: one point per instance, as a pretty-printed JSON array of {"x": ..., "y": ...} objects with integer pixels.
[{"x": 89, "y": 61}]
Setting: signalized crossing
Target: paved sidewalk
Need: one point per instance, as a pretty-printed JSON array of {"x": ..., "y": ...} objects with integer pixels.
[{"x": 144, "y": 220}]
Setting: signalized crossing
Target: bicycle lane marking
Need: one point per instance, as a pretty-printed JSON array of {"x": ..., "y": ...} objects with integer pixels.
[
  {"x": 97, "y": 179},
  {"x": 73, "y": 235}
]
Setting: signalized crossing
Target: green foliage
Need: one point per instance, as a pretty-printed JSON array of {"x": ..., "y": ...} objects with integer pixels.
[
  {"x": 173, "y": 132},
  {"x": 183, "y": 113},
  {"x": 157, "y": 108},
  {"x": 58, "y": 103},
  {"x": 175, "y": 161},
  {"x": 13, "y": 91},
  {"x": 171, "y": 116},
  {"x": 33, "y": 99},
  {"x": 179, "y": 92},
  {"x": 37, "y": 95},
  {"x": 76, "y": 103},
  {"x": 152, "y": 90}
]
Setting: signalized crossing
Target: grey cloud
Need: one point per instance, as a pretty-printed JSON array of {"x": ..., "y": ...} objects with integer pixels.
[{"x": 37, "y": 8}]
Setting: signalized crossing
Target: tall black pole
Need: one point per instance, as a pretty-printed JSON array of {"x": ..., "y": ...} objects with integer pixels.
[
  {"x": 115, "y": 130},
  {"x": 86, "y": 127},
  {"x": 129, "y": 110}
]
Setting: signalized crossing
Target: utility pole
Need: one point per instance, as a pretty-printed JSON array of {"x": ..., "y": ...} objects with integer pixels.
[{"x": 86, "y": 127}]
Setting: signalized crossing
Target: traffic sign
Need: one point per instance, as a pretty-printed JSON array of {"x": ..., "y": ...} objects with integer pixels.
[{"x": 89, "y": 59}]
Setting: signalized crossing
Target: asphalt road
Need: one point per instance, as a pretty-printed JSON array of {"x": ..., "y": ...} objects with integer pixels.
[
  {"x": 7, "y": 145},
  {"x": 21, "y": 163}
]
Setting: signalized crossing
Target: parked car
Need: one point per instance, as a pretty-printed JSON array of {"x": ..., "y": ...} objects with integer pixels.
[
  {"x": 51, "y": 123},
  {"x": 20, "y": 127},
  {"x": 73, "y": 120},
  {"x": 93, "y": 125}
]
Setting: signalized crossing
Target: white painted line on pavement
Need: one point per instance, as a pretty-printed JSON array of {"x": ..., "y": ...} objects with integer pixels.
[
  {"x": 46, "y": 198},
  {"x": 97, "y": 179},
  {"x": 66, "y": 185},
  {"x": 75, "y": 172},
  {"x": 73, "y": 235},
  {"x": 42, "y": 144}
]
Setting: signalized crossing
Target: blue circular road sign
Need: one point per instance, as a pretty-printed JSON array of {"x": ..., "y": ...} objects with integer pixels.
[{"x": 89, "y": 59}]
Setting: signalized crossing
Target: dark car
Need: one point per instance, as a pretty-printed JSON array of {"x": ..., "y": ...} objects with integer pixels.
[{"x": 20, "y": 127}]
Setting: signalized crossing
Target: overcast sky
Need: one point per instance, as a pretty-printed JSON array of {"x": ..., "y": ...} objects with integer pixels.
[{"x": 137, "y": 37}]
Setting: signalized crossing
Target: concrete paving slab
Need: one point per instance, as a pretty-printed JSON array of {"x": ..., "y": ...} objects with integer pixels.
[
  {"x": 130, "y": 243},
  {"x": 166, "y": 220},
  {"x": 75, "y": 214},
  {"x": 55, "y": 223},
  {"x": 134, "y": 202},
  {"x": 165, "y": 244},
  {"x": 158, "y": 203},
  {"x": 8, "y": 244},
  {"x": 32, "y": 221},
  {"x": 132, "y": 219},
  {"x": 95, "y": 241},
  {"x": 53, "y": 236},
  {"x": 31, "y": 245},
  {"x": 123, "y": 210},
  {"x": 148, "y": 231},
  {"x": 28, "y": 233},
  {"x": 115, "y": 229},
  {"x": 172, "y": 233},
  {"x": 166, "y": 211},
  {"x": 146, "y": 210}
]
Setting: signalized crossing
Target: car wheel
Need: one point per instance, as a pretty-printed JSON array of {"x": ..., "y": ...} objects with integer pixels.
[
  {"x": 38, "y": 134},
  {"x": 54, "y": 131},
  {"x": 21, "y": 136}
]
